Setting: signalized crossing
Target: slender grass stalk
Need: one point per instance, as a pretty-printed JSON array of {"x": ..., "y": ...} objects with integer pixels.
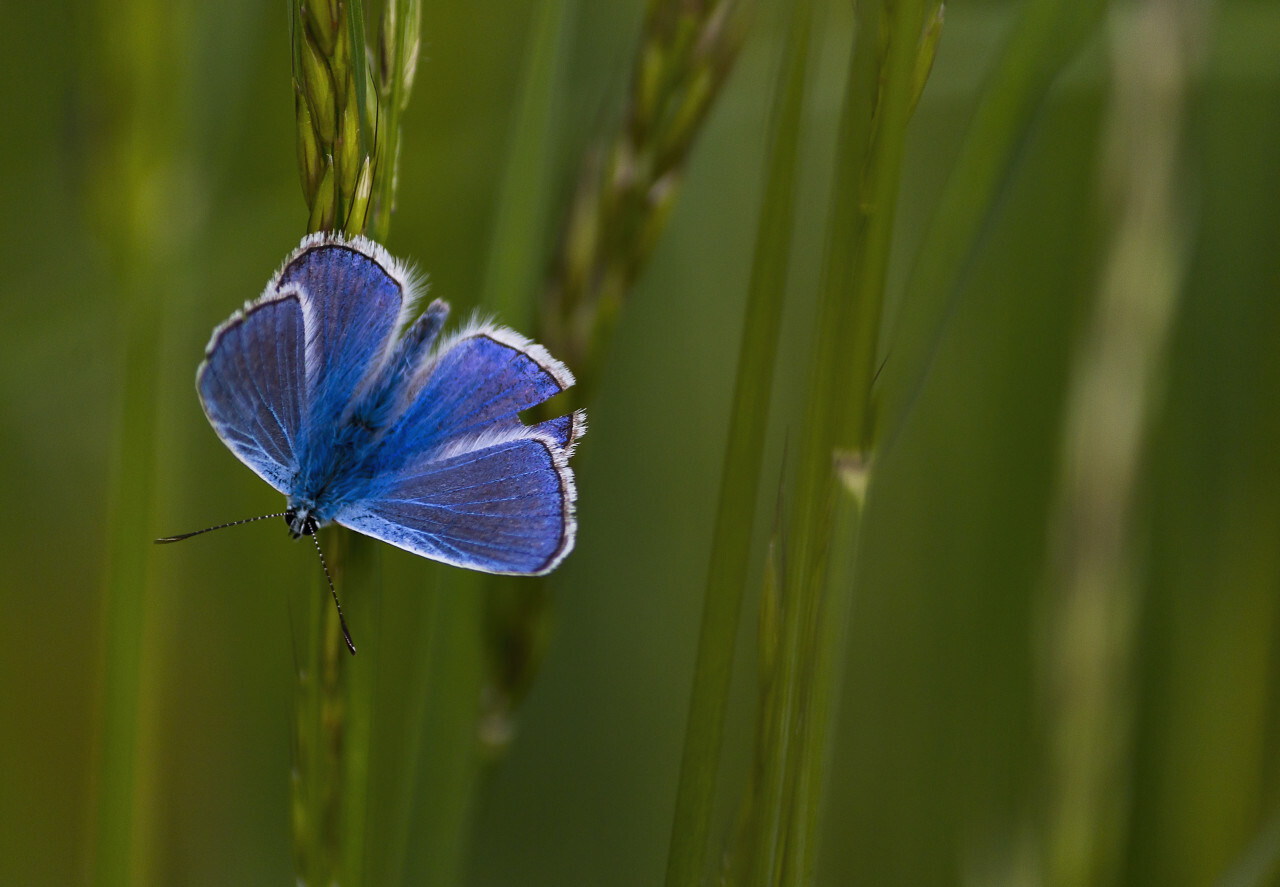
[
  {"x": 347, "y": 168},
  {"x": 736, "y": 862},
  {"x": 118, "y": 825},
  {"x": 517, "y": 246},
  {"x": 398, "y": 43},
  {"x": 1047, "y": 35},
  {"x": 451, "y": 675},
  {"x": 849, "y": 307},
  {"x": 518, "y": 612},
  {"x": 687, "y": 51},
  {"x": 449, "y": 761},
  {"x": 418, "y": 704},
  {"x": 142, "y": 47},
  {"x": 892, "y": 48},
  {"x": 1115, "y": 391},
  {"x": 628, "y": 188},
  {"x": 739, "y": 484}
]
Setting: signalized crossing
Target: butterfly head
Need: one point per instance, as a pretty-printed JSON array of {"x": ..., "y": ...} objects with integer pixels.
[{"x": 301, "y": 522}]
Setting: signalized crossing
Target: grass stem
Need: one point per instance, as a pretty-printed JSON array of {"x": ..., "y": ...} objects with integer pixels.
[
  {"x": 141, "y": 59},
  {"x": 345, "y": 159},
  {"x": 880, "y": 94},
  {"x": 739, "y": 484},
  {"x": 1047, "y": 35}
]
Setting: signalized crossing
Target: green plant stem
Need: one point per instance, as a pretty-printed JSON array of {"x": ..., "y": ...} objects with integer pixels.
[
  {"x": 395, "y": 92},
  {"x": 739, "y": 485},
  {"x": 1116, "y": 388},
  {"x": 815, "y": 755},
  {"x": 334, "y": 711},
  {"x": 419, "y": 698},
  {"x": 1048, "y": 35},
  {"x": 453, "y": 764},
  {"x": 358, "y": 682},
  {"x": 517, "y": 244},
  {"x": 125, "y": 604},
  {"x": 141, "y": 47},
  {"x": 841, "y": 305},
  {"x": 861, "y": 320},
  {"x": 309, "y": 778},
  {"x": 628, "y": 188},
  {"x": 450, "y": 673},
  {"x": 340, "y": 171},
  {"x": 442, "y": 752},
  {"x": 837, "y": 421}
]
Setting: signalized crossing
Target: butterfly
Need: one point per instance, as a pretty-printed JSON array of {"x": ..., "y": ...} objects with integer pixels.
[{"x": 328, "y": 391}]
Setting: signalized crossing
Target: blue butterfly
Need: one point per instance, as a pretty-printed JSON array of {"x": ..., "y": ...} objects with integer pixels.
[{"x": 326, "y": 390}]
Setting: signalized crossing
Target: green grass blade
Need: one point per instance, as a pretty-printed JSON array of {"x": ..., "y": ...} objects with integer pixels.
[
  {"x": 855, "y": 359},
  {"x": 388, "y": 155},
  {"x": 359, "y": 73},
  {"x": 125, "y": 605},
  {"x": 139, "y": 62},
  {"x": 1047, "y": 36},
  {"x": 408, "y": 765},
  {"x": 362, "y": 599},
  {"x": 442, "y": 752},
  {"x": 829, "y": 392},
  {"x": 880, "y": 95},
  {"x": 828, "y": 669},
  {"x": 739, "y": 483},
  {"x": 517, "y": 248}
]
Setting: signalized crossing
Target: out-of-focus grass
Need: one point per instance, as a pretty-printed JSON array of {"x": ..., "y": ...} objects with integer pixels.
[
  {"x": 729, "y": 556},
  {"x": 939, "y": 761},
  {"x": 132, "y": 185}
]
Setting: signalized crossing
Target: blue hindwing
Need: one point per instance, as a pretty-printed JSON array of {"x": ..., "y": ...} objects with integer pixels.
[
  {"x": 503, "y": 507},
  {"x": 478, "y": 381},
  {"x": 459, "y": 478}
]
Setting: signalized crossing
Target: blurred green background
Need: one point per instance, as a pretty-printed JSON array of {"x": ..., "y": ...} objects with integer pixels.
[{"x": 943, "y": 762}]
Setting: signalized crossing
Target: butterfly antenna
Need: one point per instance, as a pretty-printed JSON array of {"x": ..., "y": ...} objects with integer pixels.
[
  {"x": 341, "y": 620},
  {"x": 234, "y": 523}
]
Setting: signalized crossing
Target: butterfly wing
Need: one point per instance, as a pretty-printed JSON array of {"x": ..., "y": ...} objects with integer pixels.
[
  {"x": 461, "y": 478},
  {"x": 477, "y": 381},
  {"x": 278, "y": 375},
  {"x": 353, "y": 297},
  {"x": 251, "y": 386},
  {"x": 454, "y": 474},
  {"x": 499, "y": 505}
]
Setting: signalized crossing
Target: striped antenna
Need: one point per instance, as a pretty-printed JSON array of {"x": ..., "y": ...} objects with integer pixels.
[{"x": 234, "y": 523}]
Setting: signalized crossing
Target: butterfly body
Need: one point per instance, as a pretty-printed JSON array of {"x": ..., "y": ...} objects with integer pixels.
[{"x": 324, "y": 389}]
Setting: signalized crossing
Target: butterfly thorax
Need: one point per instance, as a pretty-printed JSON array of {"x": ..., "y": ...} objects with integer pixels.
[{"x": 340, "y": 467}]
